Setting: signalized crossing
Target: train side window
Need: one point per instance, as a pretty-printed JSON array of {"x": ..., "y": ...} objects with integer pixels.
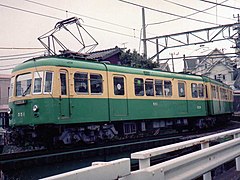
[
  {"x": 206, "y": 91},
  {"x": 167, "y": 88},
  {"x": 159, "y": 87},
  {"x": 194, "y": 90},
  {"x": 81, "y": 82},
  {"x": 118, "y": 83},
  {"x": 149, "y": 87},
  {"x": 38, "y": 76},
  {"x": 48, "y": 82},
  {"x": 213, "y": 89},
  {"x": 217, "y": 92},
  {"x": 139, "y": 87},
  {"x": 222, "y": 93},
  {"x": 63, "y": 80},
  {"x": 181, "y": 89},
  {"x": 201, "y": 90},
  {"x": 96, "y": 83},
  {"x": 225, "y": 94}
]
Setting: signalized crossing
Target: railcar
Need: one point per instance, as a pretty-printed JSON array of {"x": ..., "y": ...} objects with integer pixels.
[{"x": 57, "y": 99}]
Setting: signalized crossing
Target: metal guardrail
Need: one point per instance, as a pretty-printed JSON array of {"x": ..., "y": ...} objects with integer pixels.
[{"x": 184, "y": 167}]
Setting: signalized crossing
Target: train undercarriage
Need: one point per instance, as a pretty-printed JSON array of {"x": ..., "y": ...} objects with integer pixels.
[{"x": 52, "y": 136}]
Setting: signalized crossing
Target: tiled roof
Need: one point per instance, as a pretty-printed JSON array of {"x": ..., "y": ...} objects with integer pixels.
[{"x": 104, "y": 54}]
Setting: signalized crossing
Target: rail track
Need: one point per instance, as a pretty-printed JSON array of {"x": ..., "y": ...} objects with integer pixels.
[{"x": 28, "y": 158}]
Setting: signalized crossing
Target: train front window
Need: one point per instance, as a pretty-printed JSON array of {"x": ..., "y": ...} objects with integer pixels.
[
  {"x": 38, "y": 76},
  {"x": 48, "y": 82},
  {"x": 24, "y": 82}
]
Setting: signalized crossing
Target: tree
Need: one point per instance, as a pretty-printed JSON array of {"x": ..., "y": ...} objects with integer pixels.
[{"x": 134, "y": 59}]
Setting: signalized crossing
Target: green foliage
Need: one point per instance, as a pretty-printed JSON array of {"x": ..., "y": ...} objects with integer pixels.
[{"x": 134, "y": 59}]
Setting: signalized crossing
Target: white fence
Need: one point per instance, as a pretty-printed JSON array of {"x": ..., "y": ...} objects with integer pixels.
[{"x": 184, "y": 167}]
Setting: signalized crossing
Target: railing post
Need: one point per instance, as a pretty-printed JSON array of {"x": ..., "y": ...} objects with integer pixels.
[
  {"x": 206, "y": 176},
  {"x": 144, "y": 163},
  {"x": 237, "y": 160}
]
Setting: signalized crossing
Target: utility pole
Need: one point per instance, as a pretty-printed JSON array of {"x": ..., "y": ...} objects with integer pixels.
[
  {"x": 185, "y": 66},
  {"x": 144, "y": 34},
  {"x": 172, "y": 63},
  {"x": 237, "y": 40}
]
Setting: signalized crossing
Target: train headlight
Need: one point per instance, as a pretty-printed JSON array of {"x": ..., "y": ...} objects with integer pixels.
[
  {"x": 35, "y": 108},
  {"x": 9, "y": 111}
]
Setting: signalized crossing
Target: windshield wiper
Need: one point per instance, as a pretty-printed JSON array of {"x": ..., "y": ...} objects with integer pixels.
[{"x": 25, "y": 92}]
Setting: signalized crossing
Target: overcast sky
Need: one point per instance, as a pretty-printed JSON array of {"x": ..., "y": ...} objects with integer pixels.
[{"x": 111, "y": 22}]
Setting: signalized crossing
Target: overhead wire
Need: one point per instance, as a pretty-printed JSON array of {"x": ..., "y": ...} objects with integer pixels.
[
  {"x": 162, "y": 22},
  {"x": 56, "y": 18},
  {"x": 27, "y": 11},
  {"x": 223, "y": 5},
  {"x": 59, "y": 9},
  {"x": 12, "y": 58},
  {"x": 22, "y": 54},
  {"x": 199, "y": 11},
  {"x": 165, "y": 12},
  {"x": 9, "y": 65}
]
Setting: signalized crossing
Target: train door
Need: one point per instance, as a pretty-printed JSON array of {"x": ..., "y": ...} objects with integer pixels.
[
  {"x": 119, "y": 102},
  {"x": 64, "y": 95},
  {"x": 183, "y": 103}
]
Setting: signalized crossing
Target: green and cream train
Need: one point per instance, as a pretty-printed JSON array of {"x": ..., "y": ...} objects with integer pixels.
[{"x": 76, "y": 100}]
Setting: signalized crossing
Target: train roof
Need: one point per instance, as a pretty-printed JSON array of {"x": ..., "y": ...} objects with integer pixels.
[{"x": 88, "y": 64}]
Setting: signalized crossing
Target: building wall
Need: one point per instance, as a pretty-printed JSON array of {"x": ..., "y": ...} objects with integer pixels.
[
  {"x": 4, "y": 92},
  {"x": 223, "y": 73}
]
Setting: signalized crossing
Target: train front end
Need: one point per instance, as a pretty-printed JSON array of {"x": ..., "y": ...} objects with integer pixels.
[{"x": 33, "y": 106}]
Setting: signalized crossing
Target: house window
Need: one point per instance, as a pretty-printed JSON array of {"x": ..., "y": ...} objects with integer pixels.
[{"x": 223, "y": 76}]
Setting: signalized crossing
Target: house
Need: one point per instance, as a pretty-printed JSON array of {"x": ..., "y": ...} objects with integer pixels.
[
  {"x": 215, "y": 65},
  {"x": 109, "y": 55},
  {"x": 163, "y": 67},
  {"x": 4, "y": 94}
]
